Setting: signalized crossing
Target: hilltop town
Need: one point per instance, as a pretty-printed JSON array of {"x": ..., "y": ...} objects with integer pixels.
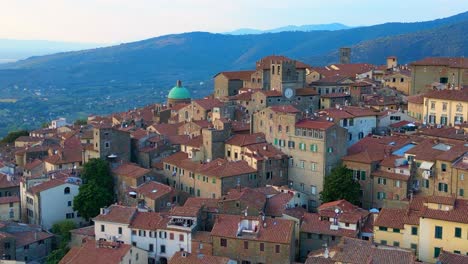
[{"x": 283, "y": 163}]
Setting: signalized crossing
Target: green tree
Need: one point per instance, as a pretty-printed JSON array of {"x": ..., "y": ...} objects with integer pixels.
[
  {"x": 97, "y": 190},
  {"x": 12, "y": 136},
  {"x": 339, "y": 184},
  {"x": 81, "y": 122},
  {"x": 61, "y": 230}
]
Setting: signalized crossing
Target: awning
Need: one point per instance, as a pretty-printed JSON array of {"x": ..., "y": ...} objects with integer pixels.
[
  {"x": 426, "y": 165},
  {"x": 132, "y": 193}
]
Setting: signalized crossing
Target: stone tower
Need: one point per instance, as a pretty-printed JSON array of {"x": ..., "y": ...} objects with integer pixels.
[{"x": 345, "y": 55}]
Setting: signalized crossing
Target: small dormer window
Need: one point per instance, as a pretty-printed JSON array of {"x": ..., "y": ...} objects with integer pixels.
[{"x": 66, "y": 190}]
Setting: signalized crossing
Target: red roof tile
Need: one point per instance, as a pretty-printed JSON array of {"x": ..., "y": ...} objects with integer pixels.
[
  {"x": 454, "y": 95},
  {"x": 192, "y": 258},
  {"x": 242, "y": 140},
  {"x": 452, "y": 258},
  {"x": 289, "y": 109},
  {"x": 9, "y": 199},
  {"x": 90, "y": 252},
  {"x": 117, "y": 214},
  {"x": 276, "y": 230},
  {"x": 148, "y": 221},
  {"x": 454, "y": 62},
  {"x": 311, "y": 223},
  {"x": 237, "y": 75},
  {"x": 130, "y": 170},
  {"x": 314, "y": 124},
  {"x": 153, "y": 190}
]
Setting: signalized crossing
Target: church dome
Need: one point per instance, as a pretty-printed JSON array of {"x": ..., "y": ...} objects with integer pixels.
[{"x": 179, "y": 92}]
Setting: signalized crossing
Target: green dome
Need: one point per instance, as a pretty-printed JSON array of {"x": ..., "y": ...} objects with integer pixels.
[{"x": 179, "y": 92}]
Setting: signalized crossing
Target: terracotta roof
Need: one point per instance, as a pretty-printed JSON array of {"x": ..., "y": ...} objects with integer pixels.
[
  {"x": 454, "y": 62},
  {"x": 289, "y": 109},
  {"x": 148, "y": 221},
  {"x": 29, "y": 139},
  {"x": 447, "y": 200},
  {"x": 185, "y": 211},
  {"x": 390, "y": 175},
  {"x": 319, "y": 260},
  {"x": 242, "y": 140},
  {"x": 139, "y": 133},
  {"x": 276, "y": 230},
  {"x": 90, "y": 252},
  {"x": 262, "y": 151},
  {"x": 196, "y": 142},
  {"x": 296, "y": 212},
  {"x": 454, "y": 95},
  {"x": 457, "y": 214},
  {"x": 357, "y": 251},
  {"x": 265, "y": 62},
  {"x": 174, "y": 158},
  {"x": 348, "y": 112},
  {"x": 349, "y": 213},
  {"x": 306, "y": 92},
  {"x": 267, "y": 190},
  {"x": 209, "y": 204},
  {"x": 270, "y": 93},
  {"x": 117, "y": 214},
  {"x": 237, "y": 75},
  {"x": 208, "y": 103},
  {"x": 49, "y": 185},
  {"x": 311, "y": 223},
  {"x": 178, "y": 139},
  {"x": 446, "y": 257},
  {"x": 390, "y": 217},
  {"x": 65, "y": 155},
  {"x": 276, "y": 205},
  {"x": 29, "y": 237},
  {"x": 192, "y": 258},
  {"x": 130, "y": 170},
  {"x": 222, "y": 168},
  {"x": 166, "y": 129},
  {"x": 84, "y": 231},
  {"x": 153, "y": 190},
  {"x": 401, "y": 124},
  {"x": 9, "y": 199},
  {"x": 314, "y": 124},
  {"x": 416, "y": 99},
  {"x": 33, "y": 164},
  {"x": 248, "y": 197}
]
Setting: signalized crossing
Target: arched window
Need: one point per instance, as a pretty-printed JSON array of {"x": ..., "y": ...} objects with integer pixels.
[
  {"x": 273, "y": 69},
  {"x": 361, "y": 135},
  {"x": 288, "y": 73},
  {"x": 66, "y": 190},
  {"x": 287, "y": 129},
  {"x": 280, "y": 128},
  {"x": 186, "y": 115}
]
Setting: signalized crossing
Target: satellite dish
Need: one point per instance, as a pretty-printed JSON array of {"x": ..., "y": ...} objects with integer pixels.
[{"x": 337, "y": 211}]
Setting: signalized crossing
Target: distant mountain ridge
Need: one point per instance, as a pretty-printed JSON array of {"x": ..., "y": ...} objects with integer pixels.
[
  {"x": 116, "y": 78},
  {"x": 14, "y": 49},
  {"x": 304, "y": 28}
]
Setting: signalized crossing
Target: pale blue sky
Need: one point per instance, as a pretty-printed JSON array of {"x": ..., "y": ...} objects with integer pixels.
[{"x": 115, "y": 21}]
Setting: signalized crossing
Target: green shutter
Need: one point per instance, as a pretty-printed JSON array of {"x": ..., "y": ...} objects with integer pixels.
[
  {"x": 276, "y": 141},
  {"x": 363, "y": 175}
]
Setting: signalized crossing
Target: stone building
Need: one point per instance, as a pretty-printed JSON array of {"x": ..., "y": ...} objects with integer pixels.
[
  {"x": 429, "y": 72},
  {"x": 109, "y": 143},
  {"x": 229, "y": 83},
  {"x": 254, "y": 239},
  {"x": 332, "y": 222},
  {"x": 314, "y": 146},
  {"x": 209, "y": 179}
]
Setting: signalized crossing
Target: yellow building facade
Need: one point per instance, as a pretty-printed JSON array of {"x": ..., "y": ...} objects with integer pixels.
[{"x": 428, "y": 226}]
